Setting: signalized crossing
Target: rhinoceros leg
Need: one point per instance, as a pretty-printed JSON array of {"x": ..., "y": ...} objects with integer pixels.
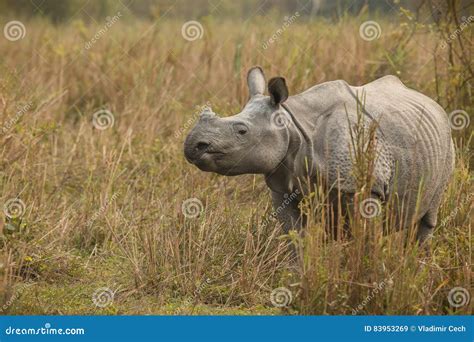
[{"x": 287, "y": 211}]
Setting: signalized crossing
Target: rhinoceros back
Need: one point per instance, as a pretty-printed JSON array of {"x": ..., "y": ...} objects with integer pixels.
[
  {"x": 416, "y": 131},
  {"x": 414, "y": 153}
]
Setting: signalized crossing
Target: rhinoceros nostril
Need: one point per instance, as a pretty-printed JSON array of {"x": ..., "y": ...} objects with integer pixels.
[{"x": 201, "y": 146}]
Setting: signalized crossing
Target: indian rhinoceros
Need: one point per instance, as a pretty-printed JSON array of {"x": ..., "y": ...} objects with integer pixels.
[{"x": 292, "y": 139}]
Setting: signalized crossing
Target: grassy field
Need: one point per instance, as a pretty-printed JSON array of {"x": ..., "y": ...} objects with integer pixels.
[{"x": 101, "y": 228}]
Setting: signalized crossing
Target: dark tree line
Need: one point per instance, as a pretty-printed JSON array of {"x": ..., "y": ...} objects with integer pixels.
[{"x": 63, "y": 10}]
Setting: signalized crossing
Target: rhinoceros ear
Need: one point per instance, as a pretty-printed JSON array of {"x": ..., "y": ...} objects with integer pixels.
[
  {"x": 278, "y": 90},
  {"x": 256, "y": 81}
]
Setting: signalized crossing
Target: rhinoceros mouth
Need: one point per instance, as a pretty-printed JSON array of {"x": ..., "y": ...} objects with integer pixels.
[
  {"x": 213, "y": 152},
  {"x": 206, "y": 157}
]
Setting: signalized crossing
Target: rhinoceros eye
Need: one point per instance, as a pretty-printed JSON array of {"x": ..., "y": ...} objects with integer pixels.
[{"x": 240, "y": 129}]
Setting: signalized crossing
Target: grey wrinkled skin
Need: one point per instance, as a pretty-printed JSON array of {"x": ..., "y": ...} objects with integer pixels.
[{"x": 414, "y": 146}]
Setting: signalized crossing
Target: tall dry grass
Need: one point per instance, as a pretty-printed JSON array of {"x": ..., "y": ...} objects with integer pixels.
[{"x": 103, "y": 208}]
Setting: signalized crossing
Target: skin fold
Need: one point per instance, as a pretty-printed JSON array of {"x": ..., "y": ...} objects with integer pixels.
[{"x": 293, "y": 139}]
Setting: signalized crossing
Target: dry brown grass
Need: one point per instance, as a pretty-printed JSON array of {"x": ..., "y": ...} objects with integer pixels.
[{"x": 132, "y": 178}]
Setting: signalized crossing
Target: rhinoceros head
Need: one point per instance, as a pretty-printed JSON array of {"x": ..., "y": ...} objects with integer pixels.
[{"x": 252, "y": 141}]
